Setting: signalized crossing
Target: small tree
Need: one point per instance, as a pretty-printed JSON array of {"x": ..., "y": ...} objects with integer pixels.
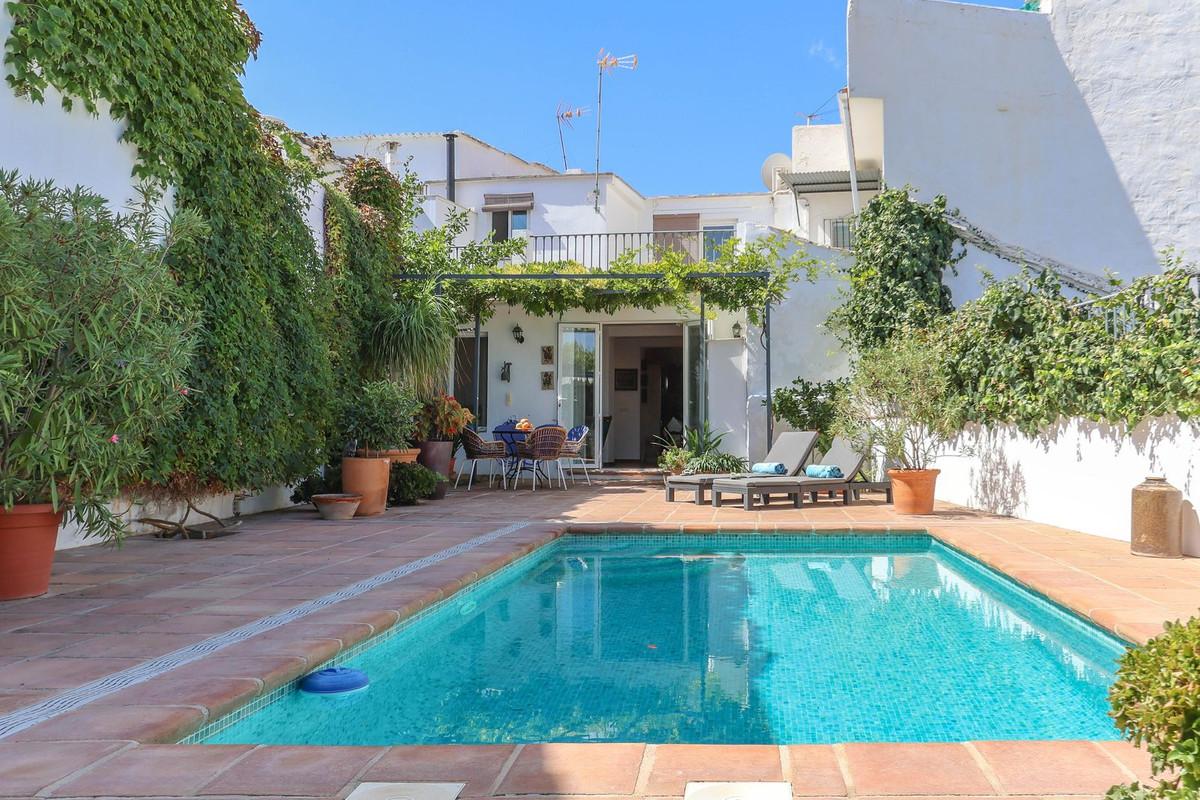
[
  {"x": 899, "y": 402},
  {"x": 810, "y": 406},
  {"x": 94, "y": 348},
  {"x": 902, "y": 249}
]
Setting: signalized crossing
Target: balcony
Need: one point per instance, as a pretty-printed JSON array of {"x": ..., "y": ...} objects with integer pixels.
[{"x": 599, "y": 250}]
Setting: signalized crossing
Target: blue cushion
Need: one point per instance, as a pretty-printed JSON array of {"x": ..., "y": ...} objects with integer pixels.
[
  {"x": 769, "y": 468},
  {"x": 823, "y": 471}
]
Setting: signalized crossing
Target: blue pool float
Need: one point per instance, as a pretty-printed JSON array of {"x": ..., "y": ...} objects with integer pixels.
[{"x": 334, "y": 680}]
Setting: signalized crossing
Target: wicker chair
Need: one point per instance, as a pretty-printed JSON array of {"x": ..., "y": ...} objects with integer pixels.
[
  {"x": 572, "y": 452},
  {"x": 477, "y": 449},
  {"x": 544, "y": 446}
]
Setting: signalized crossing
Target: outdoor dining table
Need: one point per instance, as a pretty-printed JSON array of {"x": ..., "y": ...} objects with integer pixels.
[{"x": 513, "y": 438}]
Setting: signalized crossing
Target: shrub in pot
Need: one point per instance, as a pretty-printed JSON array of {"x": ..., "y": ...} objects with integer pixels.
[
  {"x": 411, "y": 483},
  {"x": 378, "y": 420},
  {"x": 441, "y": 421},
  {"x": 1156, "y": 703},
  {"x": 899, "y": 403},
  {"x": 698, "y": 452},
  {"x": 93, "y": 357}
]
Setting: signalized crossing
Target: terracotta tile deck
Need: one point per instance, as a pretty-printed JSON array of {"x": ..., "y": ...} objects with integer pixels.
[{"x": 110, "y": 610}]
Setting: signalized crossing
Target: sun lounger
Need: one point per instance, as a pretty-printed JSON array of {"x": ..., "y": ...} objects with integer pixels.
[
  {"x": 841, "y": 454},
  {"x": 791, "y": 449}
]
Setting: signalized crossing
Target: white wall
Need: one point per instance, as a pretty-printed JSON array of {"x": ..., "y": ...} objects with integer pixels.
[
  {"x": 719, "y": 209},
  {"x": 1070, "y": 134},
  {"x": 1077, "y": 475},
  {"x": 42, "y": 141},
  {"x": 801, "y": 346}
]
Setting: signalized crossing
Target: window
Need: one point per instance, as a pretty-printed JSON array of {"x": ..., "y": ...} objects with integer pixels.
[
  {"x": 714, "y": 237},
  {"x": 510, "y": 214},
  {"x": 506, "y": 224},
  {"x": 519, "y": 222},
  {"x": 464, "y": 375}
]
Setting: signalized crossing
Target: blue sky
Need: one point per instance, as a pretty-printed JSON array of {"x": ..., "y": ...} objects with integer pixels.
[{"x": 718, "y": 87}]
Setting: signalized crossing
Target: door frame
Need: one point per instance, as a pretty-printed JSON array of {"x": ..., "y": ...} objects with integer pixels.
[{"x": 597, "y": 385}]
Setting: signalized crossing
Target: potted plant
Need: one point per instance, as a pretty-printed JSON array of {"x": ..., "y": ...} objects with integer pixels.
[
  {"x": 93, "y": 358},
  {"x": 900, "y": 404},
  {"x": 412, "y": 483},
  {"x": 697, "y": 452},
  {"x": 379, "y": 419},
  {"x": 441, "y": 420},
  {"x": 673, "y": 459}
]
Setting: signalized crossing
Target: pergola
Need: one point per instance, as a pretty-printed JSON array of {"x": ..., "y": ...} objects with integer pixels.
[{"x": 762, "y": 275}]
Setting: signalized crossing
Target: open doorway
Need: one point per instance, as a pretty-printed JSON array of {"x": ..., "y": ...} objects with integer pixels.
[{"x": 644, "y": 390}]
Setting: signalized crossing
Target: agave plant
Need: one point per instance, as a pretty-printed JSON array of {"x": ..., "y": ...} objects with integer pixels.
[
  {"x": 698, "y": 450},
  {"x": 413, "y": 341}
]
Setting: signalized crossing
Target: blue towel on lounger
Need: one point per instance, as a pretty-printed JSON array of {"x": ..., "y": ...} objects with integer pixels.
[
  {"x": 769, "y": 468},
  {"x": 823, "y": 471}
]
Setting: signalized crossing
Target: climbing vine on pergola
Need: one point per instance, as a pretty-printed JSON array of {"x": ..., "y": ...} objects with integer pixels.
[{"x": 742, "y": 277}]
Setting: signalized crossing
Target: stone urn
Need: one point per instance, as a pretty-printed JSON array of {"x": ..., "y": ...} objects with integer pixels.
[{"x": 1156, "y": 520}]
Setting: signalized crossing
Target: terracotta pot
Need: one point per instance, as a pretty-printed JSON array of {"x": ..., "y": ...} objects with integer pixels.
[
  {"x": 408, "y": 456},
  {"x": 369, "y": 478},
  {"x": 912, "y": 490},
  {"x": 337, "y": 506},
  {"x": 28, "y": 534},
  {"x": 436, "y": 456}
]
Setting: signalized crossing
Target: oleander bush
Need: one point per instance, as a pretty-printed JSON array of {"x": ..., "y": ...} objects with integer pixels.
[
  {"x": 95, "y": 345},
  {"x": 1156, "y": 703},
  {"x": 900, "y": 402}
]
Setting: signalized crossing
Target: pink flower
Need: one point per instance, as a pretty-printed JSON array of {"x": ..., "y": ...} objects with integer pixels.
[
  {"x": 184, "y": 391},
  {"x": 114, "y": 438}
]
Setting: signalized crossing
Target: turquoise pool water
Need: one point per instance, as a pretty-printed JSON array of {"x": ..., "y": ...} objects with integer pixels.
[{"x": 783, "y": 639}]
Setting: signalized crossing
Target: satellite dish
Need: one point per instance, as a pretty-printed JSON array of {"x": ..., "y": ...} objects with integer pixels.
[{"x": 775, "y": 163}]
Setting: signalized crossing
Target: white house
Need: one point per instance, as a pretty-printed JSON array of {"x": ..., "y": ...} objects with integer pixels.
[{"x": 631, "y": 374}]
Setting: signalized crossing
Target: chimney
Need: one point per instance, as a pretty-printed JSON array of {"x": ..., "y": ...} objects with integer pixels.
[{"x": 450, "y": 137}]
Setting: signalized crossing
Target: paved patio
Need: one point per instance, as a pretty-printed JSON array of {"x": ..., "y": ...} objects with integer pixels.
[{"x": 117, "y": 612}]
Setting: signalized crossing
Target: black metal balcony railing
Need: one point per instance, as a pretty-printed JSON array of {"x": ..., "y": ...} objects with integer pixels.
[
  {"x": 839, "y": 233},
  {"x": 642, "y": 247}
]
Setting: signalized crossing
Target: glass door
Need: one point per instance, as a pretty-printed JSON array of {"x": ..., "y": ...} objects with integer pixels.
[{"x": 579, "y": 383}]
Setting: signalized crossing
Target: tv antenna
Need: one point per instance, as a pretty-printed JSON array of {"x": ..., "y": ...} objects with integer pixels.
[
  {"x": 566, "y": 116},
  {"x": 606, "y": 62}
]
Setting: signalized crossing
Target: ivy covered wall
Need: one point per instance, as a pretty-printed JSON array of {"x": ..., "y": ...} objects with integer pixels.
[{"x": 260, "y": 386}]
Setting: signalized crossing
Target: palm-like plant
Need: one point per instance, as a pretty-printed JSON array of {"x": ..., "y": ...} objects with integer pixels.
[{"x": 413, "y": 340}]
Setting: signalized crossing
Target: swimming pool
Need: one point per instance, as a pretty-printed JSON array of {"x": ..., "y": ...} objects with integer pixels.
[{"x": 760, "y": 638}]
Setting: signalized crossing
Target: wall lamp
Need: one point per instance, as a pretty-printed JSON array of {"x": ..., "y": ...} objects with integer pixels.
[
  {"x": 506, "y": 371},
  {"x": 737, "y": 330},
  {"x": 518, "y": 334}
]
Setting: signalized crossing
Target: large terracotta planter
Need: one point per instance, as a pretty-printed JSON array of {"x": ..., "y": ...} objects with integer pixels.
[
  {"x": 28, "y": 534},
  {"x": 912, "y": 490},
  {"x": 436, "y": 456},
  {"x": 369, "y": 478}
]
